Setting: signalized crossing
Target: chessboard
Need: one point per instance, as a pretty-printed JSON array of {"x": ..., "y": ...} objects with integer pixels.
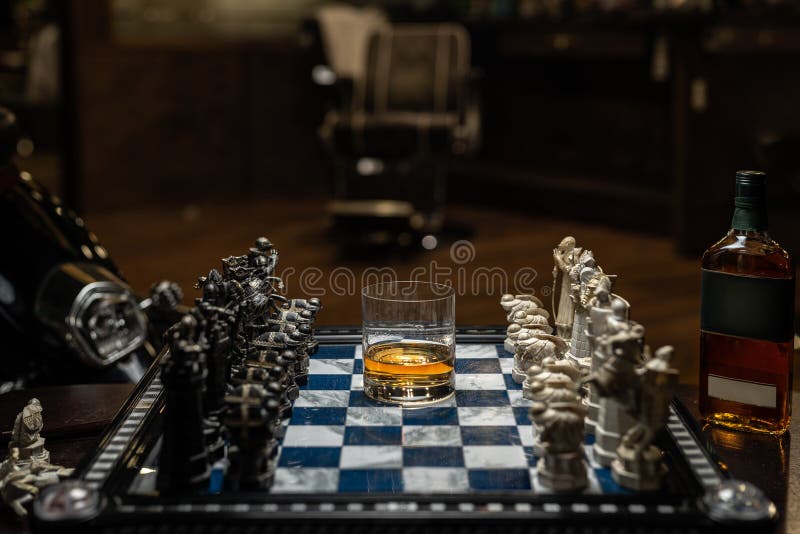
[{"x": 345, "y": 458}]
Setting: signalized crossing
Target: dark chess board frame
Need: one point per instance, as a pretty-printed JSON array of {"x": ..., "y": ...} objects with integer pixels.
[{"x": 107, "y": 475}]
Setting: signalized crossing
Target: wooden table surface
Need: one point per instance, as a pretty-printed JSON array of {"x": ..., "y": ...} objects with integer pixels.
[{"x": 75, "y": 416}]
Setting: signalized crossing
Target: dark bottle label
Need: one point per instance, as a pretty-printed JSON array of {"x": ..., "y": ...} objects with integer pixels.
[{"x": 747, "y": 306}]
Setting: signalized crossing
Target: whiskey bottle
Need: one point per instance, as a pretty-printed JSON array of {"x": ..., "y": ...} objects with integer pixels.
[{"x": 747, "y": 320}]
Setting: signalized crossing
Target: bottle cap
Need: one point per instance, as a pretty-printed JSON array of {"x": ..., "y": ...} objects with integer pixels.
[{"x": 751, "y": 183}]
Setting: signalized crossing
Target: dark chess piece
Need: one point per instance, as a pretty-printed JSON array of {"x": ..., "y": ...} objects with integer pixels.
[
  {"x": 313, "y": 305},
  {"x": 262, "y": 358},
  {"x": 166, "y": 295},
  {"x": 251, "y": 419},
  {"x": 216, "y": 324},
  {"x": 287, "y": 359},
  {"x": 183, "y": 463},
  {"x": 278, "y": 392},
  {"x": 246, "y": 374},
  {"x": 214, "y": 288}
]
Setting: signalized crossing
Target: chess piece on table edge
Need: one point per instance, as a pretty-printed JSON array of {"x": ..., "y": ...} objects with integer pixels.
[{"x": 27, "y": 468}]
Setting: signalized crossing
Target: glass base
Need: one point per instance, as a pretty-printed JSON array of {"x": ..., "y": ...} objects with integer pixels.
[{"x": 407, "y": 395}]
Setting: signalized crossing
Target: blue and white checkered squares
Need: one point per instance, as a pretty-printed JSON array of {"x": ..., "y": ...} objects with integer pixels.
[{"x": 339, "y": 440}]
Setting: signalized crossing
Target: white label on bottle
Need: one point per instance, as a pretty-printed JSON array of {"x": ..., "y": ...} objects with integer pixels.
[{"x": 753, "y": 393}]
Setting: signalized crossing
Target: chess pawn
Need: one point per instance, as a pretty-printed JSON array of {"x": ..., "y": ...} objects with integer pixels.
[
  {"x": 532, "y": 350},
  {"x": 507, "y": 302},
  {"x": 275, "y": 390},
  {"x": 285, "y": 361},
  {"x": 512, "y": 332},
  {"x": 298, "y": 343},
  {"x": 248, "y": 374},
  {"x": 542, "y": 390},
  {"x": 537, "y": 324},
  {"x": 261, "y": 358},
  {"x": 523, "y": 309},
  {"x": 562, "y": 467},
  {"x": 537, "y": 374},
  {"x": 250, "y": 429},
  {"x": 530, "y": 308},
  {"x": 537, "y": 410},
  {"x": 638, "y": 463}
]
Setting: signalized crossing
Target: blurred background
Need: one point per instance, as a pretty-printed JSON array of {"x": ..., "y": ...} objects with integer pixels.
[{"x": 373, "y": 134}]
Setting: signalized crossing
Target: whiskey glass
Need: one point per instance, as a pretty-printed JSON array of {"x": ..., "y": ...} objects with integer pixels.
[{"x": 409, "y": 342}]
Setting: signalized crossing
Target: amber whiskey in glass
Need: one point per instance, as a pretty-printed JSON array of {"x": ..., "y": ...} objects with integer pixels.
[{"x": 747, "y": 320}]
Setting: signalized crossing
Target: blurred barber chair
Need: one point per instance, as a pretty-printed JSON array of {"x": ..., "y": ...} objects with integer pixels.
[{"x": 409, "y": 106}]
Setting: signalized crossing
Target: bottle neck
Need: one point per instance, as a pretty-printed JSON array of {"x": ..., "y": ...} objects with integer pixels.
[{"x": 750, "y": 214}]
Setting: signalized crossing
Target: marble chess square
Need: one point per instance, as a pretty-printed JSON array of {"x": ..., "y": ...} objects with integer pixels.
[
  {"x": 318, "y": 416},
  {"x": 330, "y": 366},
  {"x": 309, "y": 457},
  {"x": 477, "y": 366},
  {"x": 314, "y": 436},
  {"x": 305, "y": 480},
  {"x": 432, "y": 436},
  {"x": 323, "y": 399},
  {"x": 490, "y": 435},
  {"x": 480, "y": 382},
  {"x": 371, "y": 457},
  {"x": 433, "y": 457},
  {"x": 435, "y": 479},
  {"x": 500, "y": 479},
  {"x": 375, "y": 416},
  {"x": 494, "y": 457},
  {"x": 370, "y": 480},
  {"x": 373, "y": 435},
  {"x": 431, "y": 415},
  {"x": 486, "y": 416},
  {"x": 482, "y": 398},
  {"x": 346, "y": 352}
]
